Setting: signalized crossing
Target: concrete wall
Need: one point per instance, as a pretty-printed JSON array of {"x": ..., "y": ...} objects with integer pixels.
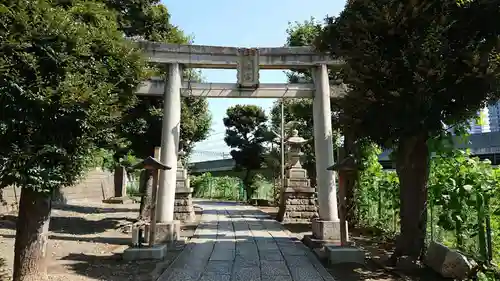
[{"x": 95, "y": 187}]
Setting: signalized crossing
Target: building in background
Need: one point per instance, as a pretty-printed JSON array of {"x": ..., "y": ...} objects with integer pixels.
[
  {"x": 483, "y": 124},
  {"x": 494, "y": 117}
]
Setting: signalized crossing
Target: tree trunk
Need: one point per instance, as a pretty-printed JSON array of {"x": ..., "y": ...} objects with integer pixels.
[
  {"x": 248, "y": 184},
  {"x": 32, "y": 236},
  {"x": 350, "y": 197},
  {"x": 412, "y": 167},
  {"x": 146, "y": 190},
  {"x": 350, "y": 182}
]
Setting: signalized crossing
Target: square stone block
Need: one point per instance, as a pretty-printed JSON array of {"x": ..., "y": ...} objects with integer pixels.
[
  {"x": 166, "y": 232},
  {"x": 327, "y": 230},
  {"x": 338, "y": 254},
  {"x": 181, "y": 174},
  {"x": 295, "y": 173},
  {"x": 157, "y": 252},
  {"x": 291, "y": 191},
  {"x": 183, "y": 192},
  {"x": 297, "y": 182}
]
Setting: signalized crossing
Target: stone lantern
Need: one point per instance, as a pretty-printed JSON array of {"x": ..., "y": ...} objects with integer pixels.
[
  {"x": 295, "y": 144},
  {"x": 298, "y": 198}
]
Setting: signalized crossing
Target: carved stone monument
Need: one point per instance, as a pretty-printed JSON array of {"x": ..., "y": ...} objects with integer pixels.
[
  {"x": 298, "y": 202},
  {"x": 120, "y": 187},
  {"x": 183, "y": 206}
]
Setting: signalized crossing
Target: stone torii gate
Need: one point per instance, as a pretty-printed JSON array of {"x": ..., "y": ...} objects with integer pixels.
[{"x": 248, "y": 62}]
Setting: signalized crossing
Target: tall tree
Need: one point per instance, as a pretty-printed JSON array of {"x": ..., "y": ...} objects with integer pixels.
[
  {"x": 141, "y": 126},
  {"x": 66, "y": 74},
  {"x": 247, "y": 133},
  {"x": 141, "y": 129},
  {"x": 413, "y": 66}
]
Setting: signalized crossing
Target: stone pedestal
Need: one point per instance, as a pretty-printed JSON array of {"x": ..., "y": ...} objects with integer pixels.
[
  {"x": 340, "y": 255},
  {"x": 183, "y": 208},
  {"x": 326, "y": 230},
  {"x": 183, "y": 205},
  {"x": 298, "y": 205},
  {"x": 157, "y": 252},
  {"x": 166, "y": 232}
]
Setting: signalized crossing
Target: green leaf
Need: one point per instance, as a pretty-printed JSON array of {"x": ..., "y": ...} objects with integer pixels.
[{"x": 468, "y": 188}]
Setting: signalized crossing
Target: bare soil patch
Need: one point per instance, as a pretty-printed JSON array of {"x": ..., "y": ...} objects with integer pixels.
[
  {"x": 86, "y": 242},
  {"x": 378, "y": 249}
]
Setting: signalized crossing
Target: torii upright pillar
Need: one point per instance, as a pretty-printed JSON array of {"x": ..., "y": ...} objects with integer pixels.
[
  {"x": 327, "y": 226},
  {"x": 168, "y": 229}
]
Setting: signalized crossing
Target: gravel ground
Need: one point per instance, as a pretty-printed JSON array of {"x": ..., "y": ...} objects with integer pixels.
[{"x": 86, "y": 242}]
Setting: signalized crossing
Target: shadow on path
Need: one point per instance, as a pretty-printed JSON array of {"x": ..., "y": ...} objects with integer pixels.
[
  {"x": 72, "y": 225},
  {"x": 92, "y": 209}
]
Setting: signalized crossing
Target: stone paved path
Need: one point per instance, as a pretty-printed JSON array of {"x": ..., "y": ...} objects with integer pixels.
[{"x": 236, "y": 242}]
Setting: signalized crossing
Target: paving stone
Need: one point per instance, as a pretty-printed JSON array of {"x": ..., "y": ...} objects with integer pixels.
[
  {"x": 192, "y": 264},
  {"x": 274, "y": 268},
  {"x": 249, "y": 250},
  {"x": 278, "y": 278},
  {"x": 219, "y": 267},
  {"x": 203, "y": 249},
  {"x": 224, "y": 246},
  {"x": 246, "y": 243},
  {"x": 240, "y": 262},
  {"x": 185, "y": 260},
  {"x": 296, "y": 261},
  {"x": 292, "y": 251},
  {"x": 238, "y": 243},
  {"x": 267, "y": 246},
  {"x": 182, "y": 274},
  {"x": 243, "y": 233},
  {"x": 246, "y": 274},
  {"x": 210, "y": 276},
  {"x": 270, "y": 255},
  {"x": 223, "y": 255},
  {"x": 285, "y": 239},
  {"x": 308, "y": 273}
]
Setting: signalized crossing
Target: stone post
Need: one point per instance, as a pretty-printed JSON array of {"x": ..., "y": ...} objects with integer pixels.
[
  {"x": 183, "y": 206},
  {"x": 327, "y": 227},
  {"x": 120, "y": 187},
  {"x": 298, "y": 201},
  {"x": 168, "y": 153},
  {"x": 120, "y": 181}
]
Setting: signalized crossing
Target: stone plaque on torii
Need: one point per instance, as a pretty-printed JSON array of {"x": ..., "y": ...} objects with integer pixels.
[{"x": 248, "y": 68}]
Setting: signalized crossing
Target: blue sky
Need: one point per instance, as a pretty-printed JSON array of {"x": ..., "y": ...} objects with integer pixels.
[{"x": 257, "y": 23}]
